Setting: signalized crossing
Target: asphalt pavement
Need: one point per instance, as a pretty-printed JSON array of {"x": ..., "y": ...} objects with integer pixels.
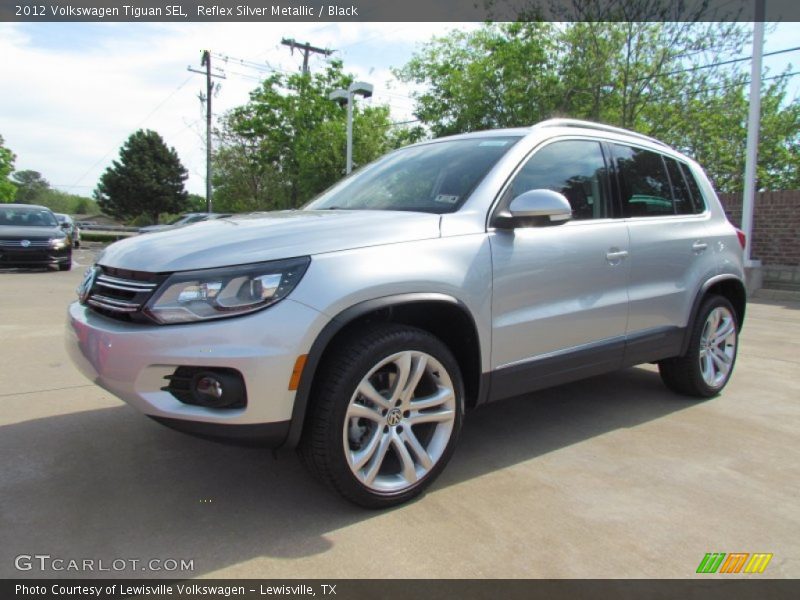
[{"x": 612, "y": 477}]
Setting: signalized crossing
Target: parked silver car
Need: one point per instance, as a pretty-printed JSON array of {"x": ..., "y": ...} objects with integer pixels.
[
  {"x": 70, "y": 228},
  {"x": 443, "y": 276}
]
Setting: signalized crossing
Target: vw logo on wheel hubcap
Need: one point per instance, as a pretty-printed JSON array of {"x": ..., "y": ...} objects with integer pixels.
[{"x": 395, "y": 417}]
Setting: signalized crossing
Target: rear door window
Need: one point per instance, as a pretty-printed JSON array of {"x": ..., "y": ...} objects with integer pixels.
[{"x": 644, "y": 184}]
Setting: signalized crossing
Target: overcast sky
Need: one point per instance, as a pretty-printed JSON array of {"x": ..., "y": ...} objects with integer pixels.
[{"x": 74, "y": 92}]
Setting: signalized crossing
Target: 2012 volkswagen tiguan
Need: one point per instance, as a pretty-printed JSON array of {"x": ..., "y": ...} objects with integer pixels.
[{"x": 443, "y": 276}]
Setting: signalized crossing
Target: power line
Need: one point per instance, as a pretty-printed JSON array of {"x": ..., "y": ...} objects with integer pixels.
[
  {"x": 723, "y": 87},
  {"x": 720, "y": 64},
  {"x": 244, "y": 75},
  {"x": 245, "y": 63},
  {"x": 396, "y": 123},
  {"x": 138, "y": 125}
]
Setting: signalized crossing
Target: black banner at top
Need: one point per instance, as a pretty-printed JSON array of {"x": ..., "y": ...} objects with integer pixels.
[{"x": 396, "y": 10}]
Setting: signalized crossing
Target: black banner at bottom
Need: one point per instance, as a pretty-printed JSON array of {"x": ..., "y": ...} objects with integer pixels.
[{"x": 400, "y": 589}]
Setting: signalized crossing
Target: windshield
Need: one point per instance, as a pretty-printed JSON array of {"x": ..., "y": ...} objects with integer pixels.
[
  {"x": 27, "y": 217},
  {"x": 435, "y": 178}
]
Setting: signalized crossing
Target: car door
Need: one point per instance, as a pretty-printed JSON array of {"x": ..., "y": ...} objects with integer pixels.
[
  {"x": 559, "y": 298},
  {"x": 669, "y": 250}
]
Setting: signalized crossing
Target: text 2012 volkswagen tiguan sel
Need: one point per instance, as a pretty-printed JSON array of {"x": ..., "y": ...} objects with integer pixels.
[{"x": 442, "y": 276}]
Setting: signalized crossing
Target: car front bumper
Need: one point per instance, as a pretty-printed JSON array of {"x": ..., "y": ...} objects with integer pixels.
[
  {"x": 33, "y": 257},
  {"x": 132, "y": 360}
]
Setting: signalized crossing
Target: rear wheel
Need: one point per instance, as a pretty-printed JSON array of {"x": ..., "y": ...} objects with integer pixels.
[
  {"x": 386, "y": 414},
  {"x": 708, "y": 364}
]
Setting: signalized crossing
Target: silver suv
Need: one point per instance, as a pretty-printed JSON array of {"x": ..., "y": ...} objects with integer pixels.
[{"x": 443, "y": 276}]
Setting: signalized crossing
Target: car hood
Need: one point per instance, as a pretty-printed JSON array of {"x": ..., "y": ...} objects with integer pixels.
[
  {"x": 152, "y": 228},
  {"x": 260, "y": 237},
  {"x": 10, "y": 232}
]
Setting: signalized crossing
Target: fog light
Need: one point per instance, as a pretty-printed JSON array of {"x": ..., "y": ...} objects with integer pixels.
[
  {"x": 209, "y": 386},
  {"x": 215, "y": 387}
]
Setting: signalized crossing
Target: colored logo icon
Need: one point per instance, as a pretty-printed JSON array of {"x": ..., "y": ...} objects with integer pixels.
[{"x": 736, "y": 562}]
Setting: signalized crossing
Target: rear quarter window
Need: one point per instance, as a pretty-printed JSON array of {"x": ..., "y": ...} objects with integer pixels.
[{"x": 698, "y": 202}]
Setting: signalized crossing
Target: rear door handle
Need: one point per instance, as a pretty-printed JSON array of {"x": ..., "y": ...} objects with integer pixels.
[{"x": 699, "y": 247}]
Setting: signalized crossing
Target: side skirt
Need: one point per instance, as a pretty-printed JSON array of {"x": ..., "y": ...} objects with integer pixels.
[{"x": 585, "y": 361}]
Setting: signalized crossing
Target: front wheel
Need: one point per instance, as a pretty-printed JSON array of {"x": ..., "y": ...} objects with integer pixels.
[
  {"x": 386, "y": 414},
  {"x": 66, "y": 266},
  {"x": 708, "y": 364}
]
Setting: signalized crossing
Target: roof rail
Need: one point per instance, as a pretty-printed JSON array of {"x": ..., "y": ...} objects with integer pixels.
[{"x": 597, "y": 126}]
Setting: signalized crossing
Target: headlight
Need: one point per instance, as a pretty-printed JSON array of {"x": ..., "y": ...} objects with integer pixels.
[
  {"x": 226, "y": 292},
  {"x": 58, "y": 243}
]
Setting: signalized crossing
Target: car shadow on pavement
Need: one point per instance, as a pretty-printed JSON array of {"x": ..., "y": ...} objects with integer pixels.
[{"x": 111, "y": 484}]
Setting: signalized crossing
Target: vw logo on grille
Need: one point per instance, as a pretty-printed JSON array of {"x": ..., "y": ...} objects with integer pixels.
[
  {"x": 25, "y": 243},
  {"x": 395, "y": 417}
]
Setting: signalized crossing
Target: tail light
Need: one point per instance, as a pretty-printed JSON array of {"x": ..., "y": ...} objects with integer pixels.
[{"x": 742, "y": 237}]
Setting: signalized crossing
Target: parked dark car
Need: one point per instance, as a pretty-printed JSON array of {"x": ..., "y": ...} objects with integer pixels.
[
  {"x": 31, "y": 236},
  {"x": 186, "y": 219},
  {"x": 70, "y": 228}
]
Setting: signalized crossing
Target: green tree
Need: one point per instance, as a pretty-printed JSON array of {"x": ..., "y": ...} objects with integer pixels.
[
  {"x": 30, "y": 186},
  {"x": 652, "y": 77},
  {"x": 62, "y": 202},
  {"x": 196, "y": 203},
  {"x": 497, "y": 76},
  {"x": 147, "y": 179},
  {"x": 288, "y": 142},
  {"x": 7, "y": 189},
  {"x": 711, "y": 126}
]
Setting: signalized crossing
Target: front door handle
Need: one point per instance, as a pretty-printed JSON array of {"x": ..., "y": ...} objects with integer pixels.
[
  {"x": 699, "y": 247},
  {"x": 615, "y": 256}
]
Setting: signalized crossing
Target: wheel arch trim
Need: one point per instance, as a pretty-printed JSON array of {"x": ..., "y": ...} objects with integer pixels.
[
  {"x": 698, "y": 300},
  {"x": 339, "y": 322}
]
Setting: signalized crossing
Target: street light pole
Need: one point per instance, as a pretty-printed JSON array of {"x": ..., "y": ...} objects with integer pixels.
[
  {"x": 753, "y": 125},
  {"x": 347, "y": 97},
  {"x": 349, "y": 132}
]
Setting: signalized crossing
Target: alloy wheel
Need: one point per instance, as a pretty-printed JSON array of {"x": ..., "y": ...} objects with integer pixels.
[
  {"x": 399, "y": 421},
  {"x": 717, "y": 347}
]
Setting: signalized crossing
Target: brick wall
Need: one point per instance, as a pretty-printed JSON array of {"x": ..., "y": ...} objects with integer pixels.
[{"x": 776, "y": 226}]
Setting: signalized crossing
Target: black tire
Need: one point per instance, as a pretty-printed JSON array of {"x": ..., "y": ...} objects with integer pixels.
[
  {"x": 66, "y": 266},
  {"x": 345, "y": 367},
  {"x": 684, "y": 374}
]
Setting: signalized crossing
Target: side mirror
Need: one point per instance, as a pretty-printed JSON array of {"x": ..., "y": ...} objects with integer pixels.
[
  {"x": 64, "y": 225},
  {"x": 539, "y": 206}
]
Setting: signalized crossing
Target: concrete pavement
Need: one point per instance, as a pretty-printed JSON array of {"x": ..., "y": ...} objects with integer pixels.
[{"x": 610, "y": 477}]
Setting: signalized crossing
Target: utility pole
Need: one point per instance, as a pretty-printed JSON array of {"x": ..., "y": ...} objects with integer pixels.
[
  {"x": 205, "y": 61},
  {"x": 307, "y": 49}
]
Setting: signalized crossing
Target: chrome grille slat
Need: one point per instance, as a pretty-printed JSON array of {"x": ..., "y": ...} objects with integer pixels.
[
  {"x": 114, "y": 305},
  {"x": 127, "y": 285},
  {"x": 122, "y": 294}
]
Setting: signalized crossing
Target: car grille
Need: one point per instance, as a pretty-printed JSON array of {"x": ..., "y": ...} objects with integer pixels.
[
  {"x": 31, "y": 244},
  {"x": 122, "y": 294}
]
